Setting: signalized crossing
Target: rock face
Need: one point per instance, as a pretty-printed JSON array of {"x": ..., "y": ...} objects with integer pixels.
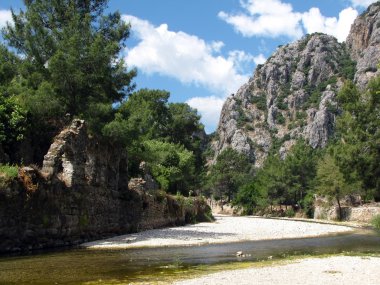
[
  {"x": 292, "y": 95},
  {"x": 364, "y": 44},
  {"x": 82, "y": 194}
]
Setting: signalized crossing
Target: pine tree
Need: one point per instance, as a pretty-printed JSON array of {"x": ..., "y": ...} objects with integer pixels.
[
  {"x": 72, "y": 47},
  {"x": 331, "y": 182}
]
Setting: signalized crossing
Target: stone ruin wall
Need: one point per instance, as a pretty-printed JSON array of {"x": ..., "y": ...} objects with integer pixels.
[{"x": 81, "y": 194}]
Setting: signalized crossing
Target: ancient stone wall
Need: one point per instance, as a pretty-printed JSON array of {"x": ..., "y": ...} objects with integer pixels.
[
  {"x": 352, "y": 209},
  {"x": 81, "y": 194}
]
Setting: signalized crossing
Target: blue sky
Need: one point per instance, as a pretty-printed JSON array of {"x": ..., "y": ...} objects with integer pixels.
[{"x": 204, "y": 50}]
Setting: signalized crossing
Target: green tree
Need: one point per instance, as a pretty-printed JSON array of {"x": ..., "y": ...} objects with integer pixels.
[
  {"x": 185, "y": 125},
  {"x": 13, "y": 118},
  {"x": 9, "y": 65},
  {"x": 186, "y": 129},
  {"x": 300, "y": 169},
  {"x": 331, "y": 182},
  {"x": 252, "y": 197},
  {"x": 171, "y": 164},
  {"x": 13, "y": 126},
  {"x": 230, "y": 172},
  {"x": 71, "y": 53},
  {"x": 143, "y": 116},
  {"x": 358, "y": 151},
  {"x": 289, "y": 181},
  {"x": 146, "y": 115},
  {"x": 271, "y": 179}
]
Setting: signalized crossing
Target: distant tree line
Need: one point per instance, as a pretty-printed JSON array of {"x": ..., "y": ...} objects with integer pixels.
[{"x": 349, "y": 165}]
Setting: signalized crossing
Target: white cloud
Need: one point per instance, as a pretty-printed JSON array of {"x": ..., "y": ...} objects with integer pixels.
[
  {"x": 260, "y": 59},
  {"x": 313, "y": 21},
  {"x": 362, "y": 3},
  {"x": 5, "y": 16},
  {"x": 274, "y": 18},
  {"x": 209, "y": 108},
  {"x": 186, "y": 58},
  {"x": 270, "y": 18},
  {"x": 190, "y": 60}
]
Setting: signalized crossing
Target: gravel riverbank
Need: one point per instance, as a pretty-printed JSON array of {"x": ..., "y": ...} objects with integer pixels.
[
  {"x": 225, "y": 229},
  {"x": 335, "y": 270}
]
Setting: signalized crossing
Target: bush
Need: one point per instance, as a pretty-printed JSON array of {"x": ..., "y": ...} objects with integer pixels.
[
  {"x": 260, "y": 101},
  {"x": 290, "y": 213},
  {"x": 280, "y": 119},
  {"x": 160, "y": 196},
  {"x": 376, "y": 222}
]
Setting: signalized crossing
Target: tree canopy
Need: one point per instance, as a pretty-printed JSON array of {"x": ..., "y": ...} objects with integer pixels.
[
  {"x": 71, "y": 54},
  {"x": 230, "y": 171},
  {"x": 358, "y": 151}
]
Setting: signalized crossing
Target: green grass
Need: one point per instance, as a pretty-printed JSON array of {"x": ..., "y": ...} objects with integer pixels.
[
  {"x": 376, "y": 222},
  {"x": 8, "y": 171},
  {"x": 7, "y": 174}
]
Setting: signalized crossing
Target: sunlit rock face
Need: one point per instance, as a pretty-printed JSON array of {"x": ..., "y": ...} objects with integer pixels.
[{"x": 293, "y": 94}]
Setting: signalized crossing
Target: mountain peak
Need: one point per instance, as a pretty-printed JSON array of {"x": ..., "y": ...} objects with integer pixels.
[{"x": 293, "y": 94}]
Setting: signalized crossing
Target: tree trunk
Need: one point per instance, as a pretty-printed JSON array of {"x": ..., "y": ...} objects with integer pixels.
[{"x": 340, "y": 209}]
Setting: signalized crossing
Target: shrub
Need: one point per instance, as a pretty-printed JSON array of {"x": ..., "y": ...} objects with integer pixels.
[
  {"x": 282, "y": 105},
  {"x": 290, "y": 213},
  {"x": 160, "y": 196},
  {"x": 280, "y": 119},
  {"x": 376, "y": 222},
  {"x": 249, "y": 128},
  {"x": 260, "y": 101}
]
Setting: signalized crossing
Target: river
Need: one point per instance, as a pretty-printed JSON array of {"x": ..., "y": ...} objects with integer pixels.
[{"x": 157, "y": 265}]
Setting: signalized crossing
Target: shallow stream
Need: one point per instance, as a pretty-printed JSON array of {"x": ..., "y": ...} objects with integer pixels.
[{"x": 159, "y": 265}]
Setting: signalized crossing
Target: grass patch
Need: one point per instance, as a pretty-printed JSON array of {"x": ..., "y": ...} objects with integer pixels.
[
  {"x": 7, "y": 174},
  {"x": 376, "y": 222},
  {"x": 9, "y": 171}
]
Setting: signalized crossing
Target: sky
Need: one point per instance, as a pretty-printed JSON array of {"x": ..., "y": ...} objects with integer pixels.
[{"x": 201, "y": 51}]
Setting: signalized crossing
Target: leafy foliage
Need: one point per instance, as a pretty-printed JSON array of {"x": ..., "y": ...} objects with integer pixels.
[
  {"x": 331, "y": 182},
  {"x": 286, "y": 181},
  {"x": 71, "y": 52},
  {"x": 13, "y": 124},
  {"x": 376, "y": 222},
  {"x": 251, "y": 198},
  {"x": 147, "y": 116},
  {"x": 8, "y": 67},
  {"x": 172, "y": 165},
  {"x": 230, "y": 171},
  {"x": 260, "y": 101},
  {"x": 358, "y": 152}
]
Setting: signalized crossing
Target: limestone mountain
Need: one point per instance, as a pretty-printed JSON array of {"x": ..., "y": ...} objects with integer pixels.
[{"x": 293, "y": 95}]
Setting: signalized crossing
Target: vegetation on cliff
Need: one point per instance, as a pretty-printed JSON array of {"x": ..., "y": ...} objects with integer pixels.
[
  {"x": 308, "y": 121},
  {"x": 349, "y": 165}
]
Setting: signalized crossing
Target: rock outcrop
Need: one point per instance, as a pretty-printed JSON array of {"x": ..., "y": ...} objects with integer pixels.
[
  {"x": 293, "y": 95},
  {"x": 364, "y": 45},
  {"x": 81, "y": 194}
]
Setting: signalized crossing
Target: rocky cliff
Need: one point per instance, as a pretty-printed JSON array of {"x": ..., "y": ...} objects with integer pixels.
[
  {"x": 83, "y": 193},
  {"x": 293, "y": 94},
  {"x": 363, "y": 42}
]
